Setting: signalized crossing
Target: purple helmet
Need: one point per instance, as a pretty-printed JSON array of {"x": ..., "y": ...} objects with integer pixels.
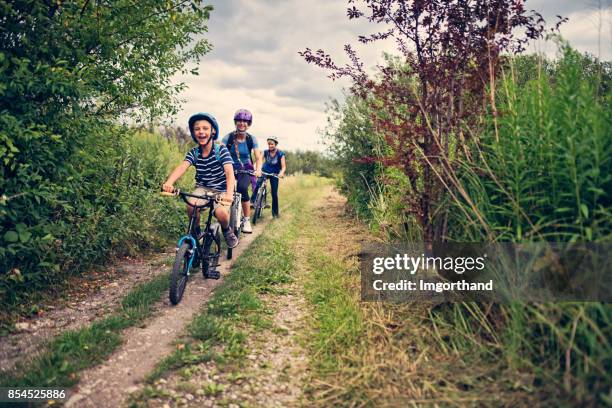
[{"x": 243, "y": 114}]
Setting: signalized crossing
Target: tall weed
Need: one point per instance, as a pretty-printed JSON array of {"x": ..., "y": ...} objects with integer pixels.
[{"x": 544, "y": 173}]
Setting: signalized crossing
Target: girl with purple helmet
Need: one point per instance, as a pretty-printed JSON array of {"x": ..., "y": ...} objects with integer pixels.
[{"x": 245, "y": 152}]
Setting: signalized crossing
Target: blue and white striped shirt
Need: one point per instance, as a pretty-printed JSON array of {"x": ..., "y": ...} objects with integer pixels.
[{"x": 209, "y": 170}]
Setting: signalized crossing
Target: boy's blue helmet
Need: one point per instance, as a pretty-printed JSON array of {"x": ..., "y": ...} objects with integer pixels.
[{"x": 204, "y": 116}]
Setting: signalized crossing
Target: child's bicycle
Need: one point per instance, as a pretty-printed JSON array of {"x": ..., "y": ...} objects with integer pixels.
[
  {"x": 262, "y": 194},
  {"x": 193, "y": 249}
]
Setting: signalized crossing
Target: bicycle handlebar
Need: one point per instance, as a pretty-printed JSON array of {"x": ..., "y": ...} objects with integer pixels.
[
  {"x": 252, "y": 173},
  {"x": 249, "y": 172},
  {"x": 208, "y": 196}
]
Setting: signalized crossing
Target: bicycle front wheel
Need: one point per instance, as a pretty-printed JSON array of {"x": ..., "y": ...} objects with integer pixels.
[{"x": 180, "y": 273}]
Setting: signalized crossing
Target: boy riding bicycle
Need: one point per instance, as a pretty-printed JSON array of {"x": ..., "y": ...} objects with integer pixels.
[{"x": 214, "y": 172}]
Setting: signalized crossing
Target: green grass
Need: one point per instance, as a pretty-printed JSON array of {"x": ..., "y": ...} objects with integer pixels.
[
  {"x": 73, "y": 351},
  {"x": 330, "y": 288}
]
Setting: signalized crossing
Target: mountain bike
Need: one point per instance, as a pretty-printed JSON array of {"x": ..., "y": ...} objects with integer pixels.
[
  {"x": 236, "y": 221},
  {"x": 261, "y": 198},
  {"x": 193, "y": 249}
]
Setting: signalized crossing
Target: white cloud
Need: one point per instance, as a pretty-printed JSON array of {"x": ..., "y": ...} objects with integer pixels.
[
  {"x": 255, "y": 63},
  {"x": 588, "y": 30}
]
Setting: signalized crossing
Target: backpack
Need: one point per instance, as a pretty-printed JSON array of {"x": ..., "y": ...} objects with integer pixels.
[
  {"x": 249, "y": 140},
  {"x": 217, "y": 148}
]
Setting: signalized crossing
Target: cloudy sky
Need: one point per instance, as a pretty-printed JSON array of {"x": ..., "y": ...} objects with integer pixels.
[{"x": 255, "y": 64}]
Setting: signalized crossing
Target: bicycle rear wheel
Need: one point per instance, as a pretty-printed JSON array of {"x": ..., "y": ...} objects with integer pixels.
[
  {"x": 258, "y": 204},
  {"x": 211, "y": 251},
  {"x": 180, "y": 273}
]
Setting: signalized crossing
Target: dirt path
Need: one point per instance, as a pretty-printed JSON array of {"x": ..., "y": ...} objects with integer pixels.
[
  {"x": 92, "y": 297},
  {"x": 271, "y": 375},
  {"x": 107, "y": 385},
  {"x": 275, "y": 369}
]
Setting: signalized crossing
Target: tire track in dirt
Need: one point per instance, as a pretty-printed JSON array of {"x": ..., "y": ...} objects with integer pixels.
[
  {"x": 108, "y": 384},
  {"x": 79, "y": 308}
]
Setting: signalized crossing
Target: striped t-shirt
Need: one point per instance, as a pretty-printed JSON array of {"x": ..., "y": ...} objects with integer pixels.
[{"x": 209, "y": 170}]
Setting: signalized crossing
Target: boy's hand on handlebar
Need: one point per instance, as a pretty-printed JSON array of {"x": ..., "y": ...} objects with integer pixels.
[
  {"x": 168, "y": 188},
  {"x": 258, "y": 173}
]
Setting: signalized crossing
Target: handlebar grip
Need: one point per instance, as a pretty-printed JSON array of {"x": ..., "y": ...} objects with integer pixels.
[{"x": 174, "y": 193}]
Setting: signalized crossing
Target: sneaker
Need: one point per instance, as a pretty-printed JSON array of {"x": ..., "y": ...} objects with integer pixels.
[
  {"x": 246, "y": 226},
  {"x": 230, "y": 238}
]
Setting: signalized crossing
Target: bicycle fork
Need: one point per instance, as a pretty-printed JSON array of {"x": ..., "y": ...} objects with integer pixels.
[{"x": 192, "y": 249}]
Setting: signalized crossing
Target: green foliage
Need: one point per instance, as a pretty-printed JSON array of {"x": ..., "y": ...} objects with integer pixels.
[
  {"x": 546, "y": 174},
  {"x": 351, "y": 138},
  {"x": 72, "y": 179},
  {"x": 541, "y": 170},
  {"x": 110, "y": 206},
  {"x": 377, "y": 193},
  {"x": 309, "y": 162}
]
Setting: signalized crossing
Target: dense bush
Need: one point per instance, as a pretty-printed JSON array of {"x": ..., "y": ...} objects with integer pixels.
[
  {"x": 108, "y": 205},
  {"x": 543, "y": 172},
  {"x": 75, "y": 184}
]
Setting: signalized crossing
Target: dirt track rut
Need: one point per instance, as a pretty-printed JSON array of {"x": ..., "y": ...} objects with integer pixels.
[{"x": 108, "y": 384}]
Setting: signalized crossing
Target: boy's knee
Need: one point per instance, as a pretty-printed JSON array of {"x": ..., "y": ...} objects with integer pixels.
[{"x": 222, "y": 211}]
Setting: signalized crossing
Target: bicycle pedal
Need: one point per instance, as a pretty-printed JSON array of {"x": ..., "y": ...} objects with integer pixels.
[{"x": 213, "y": 275}]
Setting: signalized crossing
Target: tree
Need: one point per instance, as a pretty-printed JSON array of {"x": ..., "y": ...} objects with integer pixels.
[{"x": 451, "y": 52}]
